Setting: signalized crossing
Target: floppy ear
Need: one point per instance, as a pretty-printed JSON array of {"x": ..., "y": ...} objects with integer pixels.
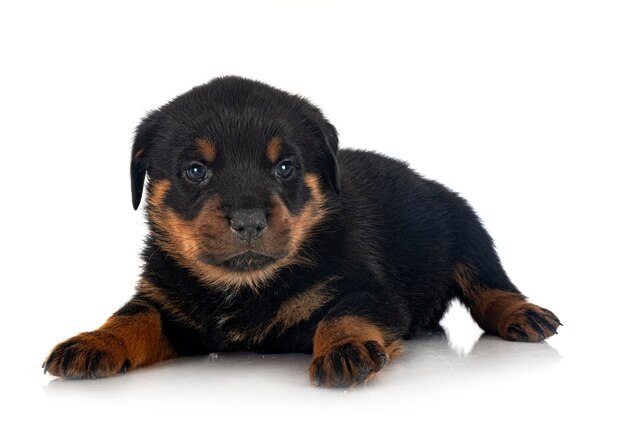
[
  {"x": 331, "y": 165},
  {"x": 329, "y": 139},
  {"x": 144, "y": 134}
]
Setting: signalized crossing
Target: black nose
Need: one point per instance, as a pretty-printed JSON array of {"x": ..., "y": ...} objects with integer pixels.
[{"x": 248, "y": 224}]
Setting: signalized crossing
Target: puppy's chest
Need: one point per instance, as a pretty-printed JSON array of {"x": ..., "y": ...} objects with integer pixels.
[{"x": 253, "y": 322}]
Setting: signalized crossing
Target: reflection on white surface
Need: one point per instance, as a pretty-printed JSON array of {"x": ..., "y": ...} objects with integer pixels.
[
  {"x": 460, "y": 377},
  {"x": 460, "y": 353},
  {"x": 428, "y": 360},
  {"x": 456, "y": 374}
]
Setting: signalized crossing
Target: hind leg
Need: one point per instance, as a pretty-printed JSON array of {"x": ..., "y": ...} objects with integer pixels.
[{"x": 506, "y": 313}]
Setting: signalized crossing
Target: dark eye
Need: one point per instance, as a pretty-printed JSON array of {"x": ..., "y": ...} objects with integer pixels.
[
  {"x": 196, "y": 172},
  {"x": 284, "y": 169}
]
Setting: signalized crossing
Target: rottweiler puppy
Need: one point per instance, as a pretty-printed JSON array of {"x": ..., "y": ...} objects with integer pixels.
[{"x": 264, "y": 236}]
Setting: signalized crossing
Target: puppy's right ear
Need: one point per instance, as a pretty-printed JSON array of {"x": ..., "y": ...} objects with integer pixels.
[{"x": 144, "y": 135}]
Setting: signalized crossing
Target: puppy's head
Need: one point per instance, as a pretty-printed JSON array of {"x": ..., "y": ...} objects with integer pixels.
[{"x": 240, "y": 176}]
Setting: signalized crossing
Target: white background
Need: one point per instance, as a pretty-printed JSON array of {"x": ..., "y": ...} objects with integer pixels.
[{"x": 519, "y": 106}]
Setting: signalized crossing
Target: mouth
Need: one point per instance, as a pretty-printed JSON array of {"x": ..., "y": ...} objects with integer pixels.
[{"x": 247, "y": 261}]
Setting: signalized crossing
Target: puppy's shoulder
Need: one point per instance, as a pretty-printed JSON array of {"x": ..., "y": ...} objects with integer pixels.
[
  {"x": 372, "y": 173},
  {"x": 370, "y": 178}
]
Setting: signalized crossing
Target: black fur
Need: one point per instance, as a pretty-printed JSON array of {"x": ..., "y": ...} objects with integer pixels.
[{"x": 390, "y": 240}]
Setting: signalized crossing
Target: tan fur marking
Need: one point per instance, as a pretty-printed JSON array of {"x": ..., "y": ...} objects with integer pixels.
[
  {"x": 273, "y": 149},
  {"x": 237, "y": 336},
  {"x": 158, "y": 190},
  {"x": 311, "y": 216},
  {"x": 496, "y": 311},
  {"x": 207, "y": 149},
  {"x": 123, "y": 342},
  {"x": 351, "y": 329},
  {"x": 488, "y": 307},
  {"x": 291, "y": 312},
  {"x": 301, "y": 307},
  {"x": 142, "y": 337},
  {"x": 331, "y": 335},
  {"x": 183, "y": 239}
]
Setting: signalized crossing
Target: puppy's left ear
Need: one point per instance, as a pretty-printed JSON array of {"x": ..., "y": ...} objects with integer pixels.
[
  {"x": 329, "y": 140},
  {"x": 144, "y": 135}
]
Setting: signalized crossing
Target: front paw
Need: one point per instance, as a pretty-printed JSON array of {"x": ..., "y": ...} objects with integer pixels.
[
  {"x": 95, "y": 354},
  {"x": 348, "y": 364}
]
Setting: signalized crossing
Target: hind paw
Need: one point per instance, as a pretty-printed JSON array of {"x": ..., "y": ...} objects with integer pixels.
[{"x": 530, "y": 323}]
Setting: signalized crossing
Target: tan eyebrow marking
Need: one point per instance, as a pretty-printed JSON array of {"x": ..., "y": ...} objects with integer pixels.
[
  {"x": 273, "y": 149},
  {"x": 207, "y": 148}
]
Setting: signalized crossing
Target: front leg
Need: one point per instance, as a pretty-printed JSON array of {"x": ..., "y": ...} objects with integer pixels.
[
  {"x": 130, "y": 338},
  {"x": 356, "y": 339}
]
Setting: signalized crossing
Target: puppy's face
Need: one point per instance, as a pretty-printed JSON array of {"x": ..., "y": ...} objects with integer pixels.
[{"x": 240, "y": 175}]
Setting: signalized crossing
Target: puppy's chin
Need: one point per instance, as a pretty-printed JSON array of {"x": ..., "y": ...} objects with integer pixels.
[{"x": 245, "y": 262}]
